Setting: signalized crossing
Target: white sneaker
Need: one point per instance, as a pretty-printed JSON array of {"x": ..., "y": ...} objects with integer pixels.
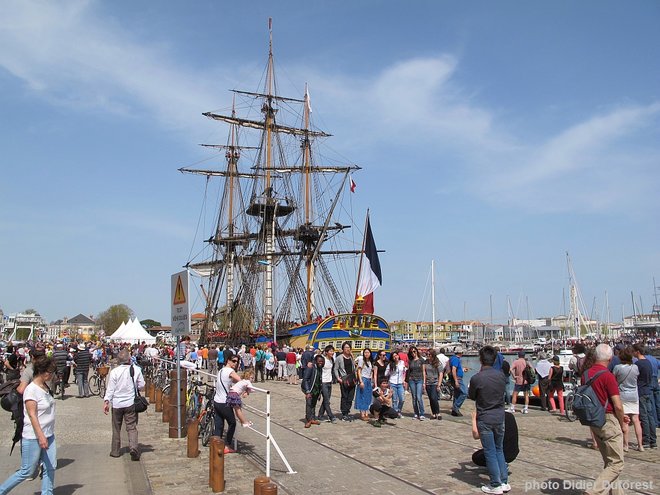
[
  {"x": 422, "y": 418},
  {"x": 525, "y": 411},
  {"x": 505, "y": 487},
  {"x": 511, "y": 410},
  {"x": 492, "y": 489},
  {"x": 415, "y": 416}
]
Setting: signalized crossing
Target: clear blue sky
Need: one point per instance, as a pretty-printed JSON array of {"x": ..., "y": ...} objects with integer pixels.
[{"x": 494, "y": 137}]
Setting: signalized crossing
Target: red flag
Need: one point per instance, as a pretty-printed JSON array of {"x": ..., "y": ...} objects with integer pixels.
[{"x": 353, "y": 185}]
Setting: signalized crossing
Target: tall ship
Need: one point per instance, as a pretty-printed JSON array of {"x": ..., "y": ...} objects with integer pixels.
[{"x": 283, "y": 259}]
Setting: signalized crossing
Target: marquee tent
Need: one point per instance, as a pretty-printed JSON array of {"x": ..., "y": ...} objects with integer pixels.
[{"x": 133, "y": 333}]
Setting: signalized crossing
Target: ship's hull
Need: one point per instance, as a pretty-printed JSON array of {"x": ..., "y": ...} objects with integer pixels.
[{"x": 360, "y": 330}]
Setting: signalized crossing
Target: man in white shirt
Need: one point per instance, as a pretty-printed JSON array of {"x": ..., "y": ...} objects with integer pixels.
[
  {"x": 121, "y": 395},
  {"x": 543, "y": 370}
]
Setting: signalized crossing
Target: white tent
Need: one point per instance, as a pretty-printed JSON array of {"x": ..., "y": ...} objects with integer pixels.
[
  {"x": 134, "y": 333},
  {"x": 117, "y": 334}
]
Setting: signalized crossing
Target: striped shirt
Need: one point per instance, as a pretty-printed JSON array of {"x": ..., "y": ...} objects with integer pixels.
[{"x": 82, "y": 360}]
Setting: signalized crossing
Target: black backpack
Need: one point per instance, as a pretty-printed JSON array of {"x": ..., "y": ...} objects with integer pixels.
[
  {"x": 587, "y": 406},
  {"x": 11, "y": 401}
]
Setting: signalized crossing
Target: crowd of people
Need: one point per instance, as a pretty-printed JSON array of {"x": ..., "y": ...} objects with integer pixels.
[{"x": 372, "y": 387}]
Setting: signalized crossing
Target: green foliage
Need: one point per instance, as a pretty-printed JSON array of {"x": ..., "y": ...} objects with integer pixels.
[
  {"x": 112, "y": 318},
  {"x": 150, "y": 323},
  {"x": 30, "y": 311}
]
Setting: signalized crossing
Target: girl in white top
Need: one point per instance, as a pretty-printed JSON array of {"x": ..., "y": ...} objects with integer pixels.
[
  {"x": 241, "y": 388},
  {"x": 38, "y": 436}
]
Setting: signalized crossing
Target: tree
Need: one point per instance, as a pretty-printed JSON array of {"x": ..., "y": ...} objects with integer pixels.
[
  {"x": 150, "y": 323},
  {"x": 112, "y": 318},
  {"x": 30, "y": 311}
]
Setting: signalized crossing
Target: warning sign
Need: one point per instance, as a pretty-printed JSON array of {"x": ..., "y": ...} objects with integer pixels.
[
  {"x": 180, "y": 306},
  {"x": 179, "y": 293}
]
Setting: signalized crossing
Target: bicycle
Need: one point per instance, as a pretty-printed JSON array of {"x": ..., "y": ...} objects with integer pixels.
[
  {"x": 568, "y": 399},
  {"x": 194, "y": 399},
  {"x": 207, "y": 416},
  {"x": 446, "y": 388},
  {"x": 59, "y": 385},
  {"x": 97, "y": 382}
]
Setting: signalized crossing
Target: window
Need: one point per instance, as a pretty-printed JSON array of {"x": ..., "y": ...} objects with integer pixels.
[{"x": 357, "y": 344}]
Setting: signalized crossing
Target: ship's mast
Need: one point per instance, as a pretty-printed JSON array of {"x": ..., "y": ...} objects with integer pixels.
[
  {"x": 269, "y": 217},
  {"x": 306, "y": 145}
]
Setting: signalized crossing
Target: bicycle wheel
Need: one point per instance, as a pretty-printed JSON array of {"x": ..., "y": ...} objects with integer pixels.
[
  {"x": 94, "y": 385},
  {"x": 568, "y": 406},
  {"x": 209, "y": 427},
  {"x": 102, "y": 387},
  {"x": 446, "y": 392}
]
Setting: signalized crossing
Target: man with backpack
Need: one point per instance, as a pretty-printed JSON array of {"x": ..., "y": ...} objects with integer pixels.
[
  {"x": 520, "y": 371},
  {"x": 610, "y": 434}
]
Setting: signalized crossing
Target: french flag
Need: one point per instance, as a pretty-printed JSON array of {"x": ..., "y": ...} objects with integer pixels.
[{"x": 370, "y": 277}]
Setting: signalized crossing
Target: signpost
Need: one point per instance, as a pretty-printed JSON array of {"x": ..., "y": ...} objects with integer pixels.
[{"x": 180, "y": 326}]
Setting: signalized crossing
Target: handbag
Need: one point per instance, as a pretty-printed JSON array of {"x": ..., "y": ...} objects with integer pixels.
[
  {"x": 349, "y": 380},
  {"x": 140, "y": 403}
]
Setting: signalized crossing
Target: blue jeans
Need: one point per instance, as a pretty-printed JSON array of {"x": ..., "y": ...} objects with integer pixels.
[
  {"x": 31, "y": 456},
  {"x": 647, "y": 418},
  {"x": 655, "y": 395},
  {"x": 460, "y": 393},
  {"x": 398, "y": 396},
  {"x": 83, "y": 383},
  {"x": 416, "y": 387},
  {"x": 492, "y": 440}
]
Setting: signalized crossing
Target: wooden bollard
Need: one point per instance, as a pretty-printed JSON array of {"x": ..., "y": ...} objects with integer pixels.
[
  {"x": 269, "y": 489},
  {"x": 260, "y": 481},
  {"x": 152, "y": 392},
  {"x": 193, "y": 438},
  {"x": 166, "y": 408},
  {"x": 158, "y": 398},
  {"x": 174, "y": 422},
  {"x": 217, "y": 464}
]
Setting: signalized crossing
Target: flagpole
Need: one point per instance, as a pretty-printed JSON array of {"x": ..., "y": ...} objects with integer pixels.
[{"x": 364, "y": 241}]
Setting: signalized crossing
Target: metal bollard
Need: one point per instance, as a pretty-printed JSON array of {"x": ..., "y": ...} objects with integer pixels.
[
  {"x": 193, "y": 438},
  {"x": 158, "y": 399},
  {"x": 269, "y": 489},
  {"x": 260, "y": 481},
  {"x": 166, "y": 408},
  {"x": 217, "y": 464}
]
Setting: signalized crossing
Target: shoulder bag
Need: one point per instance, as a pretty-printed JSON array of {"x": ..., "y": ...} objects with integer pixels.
[{"x": 140, "y": 403}]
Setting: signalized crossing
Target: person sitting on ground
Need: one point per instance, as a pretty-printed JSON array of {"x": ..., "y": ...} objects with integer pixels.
[
  {"x": 242, "y": 388},
  {"x": 382, "y": 402},
  {"x": 510, "y": 446}
]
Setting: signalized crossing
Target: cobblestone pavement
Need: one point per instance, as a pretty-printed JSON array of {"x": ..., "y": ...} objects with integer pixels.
[
  {"x": 82, "y": 434},
  {"x": 404, "y": 457}
]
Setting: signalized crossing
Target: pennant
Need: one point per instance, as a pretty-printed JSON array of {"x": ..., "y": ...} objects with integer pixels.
[{"x": 353, "y": 185}]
